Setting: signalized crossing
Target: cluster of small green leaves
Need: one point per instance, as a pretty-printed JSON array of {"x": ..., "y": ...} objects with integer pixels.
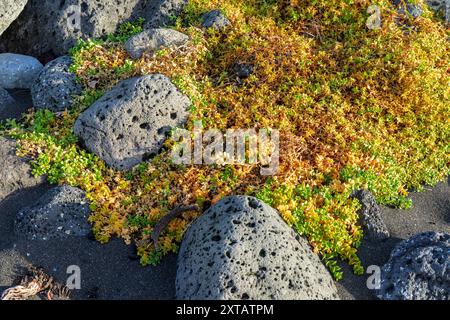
[
  {"x": 57, "y": 154},
  {"x": 78, "y": 49},
  {"x": 126, "y": 31}
]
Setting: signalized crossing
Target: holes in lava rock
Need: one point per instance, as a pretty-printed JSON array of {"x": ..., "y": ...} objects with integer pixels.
[
  {"x": 251, "y": 224},
  {"x": 163, "y": 131},
  {"x": 229, "y": 209},
  {"x": 291, "y": 285},
  {"x": 144, "y": 126},
  {"x": 148, "y": 156},
  {"x": 84, "y": 7},
  {"x": 253, "y": 203}
]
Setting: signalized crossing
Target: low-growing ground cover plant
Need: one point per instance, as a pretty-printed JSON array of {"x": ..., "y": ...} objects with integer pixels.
[{"x": 356, "y": 108}]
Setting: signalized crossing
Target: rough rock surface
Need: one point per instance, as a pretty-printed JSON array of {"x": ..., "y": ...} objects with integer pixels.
[
  {"x": 153, "y": 40},
  {"x": 416, "y": 10},
  {"x": 9, "y": 11},
  {"x": 53, "y": 27},
  {"x": 418, "y": 269},
  {"x": 130, "y": 123},
  {"x": 408, "y": 8},
  {"x": 21, "y": 103},
  {"x": 55, "y": 86},
  {"x": 6, "y": 103},
  {"x": 18, "y": 71},
  {"x": 440, "y": 6},
  {"x": 159, "y": 13},
  {"x": 241, "y": 249},
  {"x": 370, "y": 214},
  {"x": 15, "y": 172},
  {"x": 215, "y": 19},
  {"x": 62, "y": 212}
]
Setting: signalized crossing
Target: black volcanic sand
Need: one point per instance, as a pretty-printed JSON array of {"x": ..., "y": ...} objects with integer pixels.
[
  {"x": 430, "y": 212},
  {"x": 109, "y": 271},
  {"x": 112, "y": 271}
]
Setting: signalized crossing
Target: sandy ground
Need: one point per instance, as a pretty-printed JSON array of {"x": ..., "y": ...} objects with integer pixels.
[
  {"x": 112, "y": 271},
  {"x": 109, "y": 271},
  {"x": 430, "y": 212}
]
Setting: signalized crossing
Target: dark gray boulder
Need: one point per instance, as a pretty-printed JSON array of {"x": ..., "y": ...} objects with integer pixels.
[
  {"x": 418, "y": 269},
  {"x": 153, "y": 40},
  {"x": 130, "y": 123},
  {"x": 18, "y": 71},
  {"x": 6, "y": 103},
  {"x": 15, "y": 172},
  {"x": 160, "y": 13},
  {"x": 9, "y": 11},
  {"x": 21, "y": 103},
  {"x": 370, "y": 216},
  {"x": 62, "y": 212},
  {"x": 51, "y": 28},
  {"x": 416, "y": 10},
  {"x": 55, "y": 86},
  {"x": 436, "y": 4},
  {"x": 406, "y": 7},
  {"x": 242, "y": 249},
  {"x": 215, "y": 19},
  {"x": 442, "y": 6}
]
